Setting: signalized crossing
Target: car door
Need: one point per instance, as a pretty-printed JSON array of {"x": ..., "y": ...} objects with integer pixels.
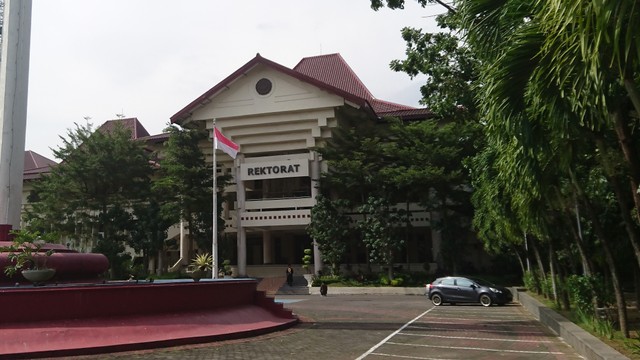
[
  {"x": 466, "y": 290},
  {"x": 448, "y": 290}
]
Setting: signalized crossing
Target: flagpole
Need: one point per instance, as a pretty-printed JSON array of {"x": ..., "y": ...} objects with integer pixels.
[{"x": 214, "y": 242}]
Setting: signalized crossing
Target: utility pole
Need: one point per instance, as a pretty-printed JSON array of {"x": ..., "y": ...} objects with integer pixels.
[{"x": 14, "y": 81}]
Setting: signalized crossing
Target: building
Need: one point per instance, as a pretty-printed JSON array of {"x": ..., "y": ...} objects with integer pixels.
[{"x": 278, "y": 116}]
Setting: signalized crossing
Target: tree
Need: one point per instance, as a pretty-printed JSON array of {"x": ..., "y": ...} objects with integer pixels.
[
  {"x": 91, "y": 194},
  {"x": 185, "y": 181},
  {"x": 381, "y": 231},
  {"x": 329, "y": 228}
]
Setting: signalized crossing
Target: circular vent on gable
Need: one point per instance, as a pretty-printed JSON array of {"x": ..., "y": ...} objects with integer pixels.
[{"x": 264, "y": 86}]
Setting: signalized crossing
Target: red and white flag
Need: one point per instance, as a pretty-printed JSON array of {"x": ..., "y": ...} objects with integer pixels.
[{"x": 223, "y": 143}]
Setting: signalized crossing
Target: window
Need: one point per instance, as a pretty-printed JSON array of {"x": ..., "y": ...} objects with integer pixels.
[{"x": 464, "y": 282}]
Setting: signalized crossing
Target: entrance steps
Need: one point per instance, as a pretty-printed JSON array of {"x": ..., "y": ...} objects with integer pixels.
[{"x": 278, "y": 286}]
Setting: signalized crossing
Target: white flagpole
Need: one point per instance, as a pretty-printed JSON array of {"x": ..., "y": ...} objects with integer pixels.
[{"x": 214, "y": 244}]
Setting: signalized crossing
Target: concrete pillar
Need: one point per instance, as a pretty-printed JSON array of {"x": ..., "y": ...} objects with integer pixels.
[
  {"x": 317, "y": 259},
  {"x": 14, "y": 81},
  {"x": 241, "y": 234},
  {"x": 242, "y": 252},
  {"x": 267, "y": 248},
  {"x": 315, "y": 185}
]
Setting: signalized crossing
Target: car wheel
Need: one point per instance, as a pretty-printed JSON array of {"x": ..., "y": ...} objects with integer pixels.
[
  {"x": 485, "y": 300},
  {"x": 436, "y": 299}
]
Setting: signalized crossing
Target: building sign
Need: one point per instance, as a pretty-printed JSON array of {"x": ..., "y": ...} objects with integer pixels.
[{"x": 275, "y": 169}]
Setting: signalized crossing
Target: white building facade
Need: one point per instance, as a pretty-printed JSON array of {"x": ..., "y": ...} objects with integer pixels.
[{"x": 279, "y": 116}]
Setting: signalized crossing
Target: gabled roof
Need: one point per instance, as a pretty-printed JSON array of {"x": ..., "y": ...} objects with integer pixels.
[
  {"x": 36, "y": 164},
  {"x": 333, "y": 70},
  {"x": 327, "y": 72},
  {"x": 136, "y": 128}
]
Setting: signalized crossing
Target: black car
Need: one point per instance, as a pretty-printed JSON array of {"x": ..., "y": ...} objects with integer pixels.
[{"x": 457, "y": 289}]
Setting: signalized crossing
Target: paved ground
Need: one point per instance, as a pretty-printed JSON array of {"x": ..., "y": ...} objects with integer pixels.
[{"x": 377, "y": 327}]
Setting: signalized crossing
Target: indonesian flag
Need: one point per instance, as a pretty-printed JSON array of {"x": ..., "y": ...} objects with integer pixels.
[{"x": 224, "y": 144}]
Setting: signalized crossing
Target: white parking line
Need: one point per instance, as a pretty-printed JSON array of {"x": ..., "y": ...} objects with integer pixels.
[
  {"x": 392, "y": 335},
  {"x": 483, "y": 324},
  {"x": 483, "y": 319},
  {"x": 479, "y": 349},
  {"x": 475, "y": 338},
  {"x": 479, "y": 330},
  {"x": 408, "y": 357}
]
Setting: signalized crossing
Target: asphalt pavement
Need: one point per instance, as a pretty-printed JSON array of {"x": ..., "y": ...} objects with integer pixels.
[{"x": 384, "y": 327}]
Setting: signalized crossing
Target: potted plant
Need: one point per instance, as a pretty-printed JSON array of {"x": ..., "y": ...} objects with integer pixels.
[
  {"x": 226, "y": 270},
  {"x": 27, "y": 257},
  {"x": 306, "y": 265},
  {"x": 200, "y": 265}
]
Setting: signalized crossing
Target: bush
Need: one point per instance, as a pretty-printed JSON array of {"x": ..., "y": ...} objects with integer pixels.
[
  {"x": 581, "y": 289},
  {"x": 383, "y": 280},
  {"x": 532, "y": 281}
]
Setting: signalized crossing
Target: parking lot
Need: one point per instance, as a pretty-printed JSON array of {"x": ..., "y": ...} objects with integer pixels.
[
  {"x": 375, "y": 327},
  {"x": 472, "y": 332}
]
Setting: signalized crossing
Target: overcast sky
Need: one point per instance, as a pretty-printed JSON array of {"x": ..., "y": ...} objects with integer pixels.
[{"x": 150, "y": 58}]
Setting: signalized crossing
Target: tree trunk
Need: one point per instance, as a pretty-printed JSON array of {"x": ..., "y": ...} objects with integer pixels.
[
  {"x": 515, "y": 251},
  {"x": 542, "y": 272},
  {"x": 552, "y": 271}
]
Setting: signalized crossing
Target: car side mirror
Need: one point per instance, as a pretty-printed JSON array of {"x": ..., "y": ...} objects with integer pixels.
[{"x": 473, "y": 286}]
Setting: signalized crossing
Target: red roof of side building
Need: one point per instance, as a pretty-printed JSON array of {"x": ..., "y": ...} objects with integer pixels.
[
  {"x": 36, "y": 164},
  {"x": 132, "y": 124},
  {"x": 328, "y": 72}
]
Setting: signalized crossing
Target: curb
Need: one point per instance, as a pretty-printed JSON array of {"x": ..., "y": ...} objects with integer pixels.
[
  {"x": 387, "y": 290},
  {"x": 583, "y": 342}
]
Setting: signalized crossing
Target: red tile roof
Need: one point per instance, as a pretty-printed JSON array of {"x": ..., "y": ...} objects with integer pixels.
[
  {"x": 328, "y": 72},
  {"x": 36, "y": 164},
  {"x": 136, "y": 128},
  {"x": 333, "y": 70}
]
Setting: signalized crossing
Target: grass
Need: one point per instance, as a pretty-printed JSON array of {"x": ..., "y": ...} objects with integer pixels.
[{"x": 602, "y": 329}]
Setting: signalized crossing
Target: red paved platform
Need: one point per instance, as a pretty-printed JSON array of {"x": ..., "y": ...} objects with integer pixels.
[{"x": 236, "y": 313}]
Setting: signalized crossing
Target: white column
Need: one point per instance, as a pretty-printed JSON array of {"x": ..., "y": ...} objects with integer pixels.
[
  {"x": 14, "y": 81},
  {"x": 315, "y": 184},
  {"x": 241, "y": 234},
  {"x": 242, "y": 252}
]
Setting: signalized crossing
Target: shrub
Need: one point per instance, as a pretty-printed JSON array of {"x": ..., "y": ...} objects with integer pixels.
[
  {"x": 532, "y": 281},
  {"x": 581, "y": 289}
]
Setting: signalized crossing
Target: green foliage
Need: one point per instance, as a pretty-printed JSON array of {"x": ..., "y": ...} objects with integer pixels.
[
  {"x": 633, "y": 345},
  {"x": 601, "y": 327},
  {"x": 381, "y": 231},
  {"x": 184, "y": 184},
  {"x": 226, "y": 268},
  {"x": 203, "y": 262},
  {"x": 532, "y": 282},
  {"x": 581, "y": 291},
  {"x": 329, "y": 229},
  {"x": 91, "y": 194},
  {"x": 306, "y": 260},
  {"x": 25, "y": 251}
]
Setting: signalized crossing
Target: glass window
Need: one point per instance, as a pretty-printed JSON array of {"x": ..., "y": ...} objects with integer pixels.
[
  {"x": 448, "y": 281},
  {"x": 464, "y": 282}
]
